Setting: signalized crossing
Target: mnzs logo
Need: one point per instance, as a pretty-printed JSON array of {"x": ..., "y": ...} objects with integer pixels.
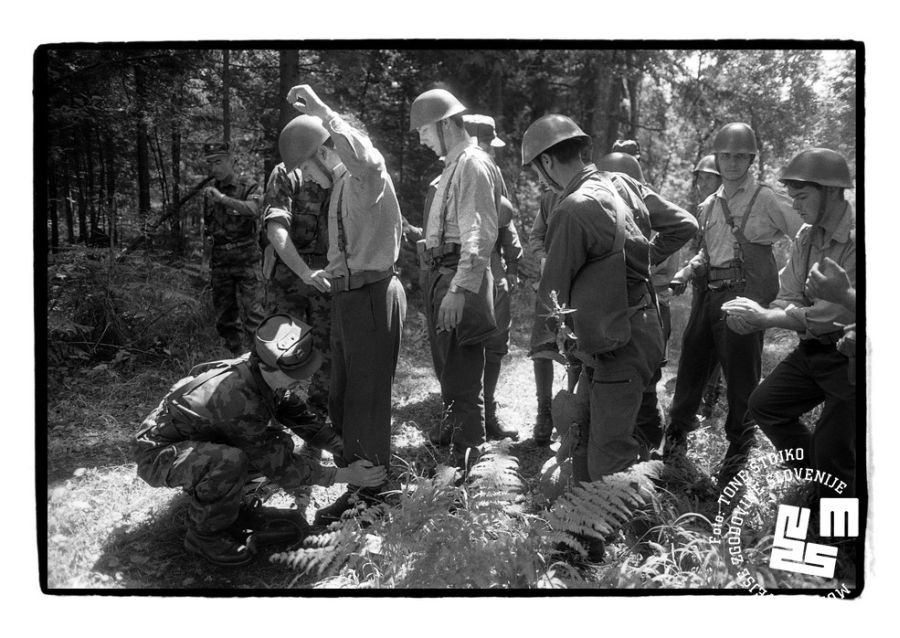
[{"x": 790, "y": 552}]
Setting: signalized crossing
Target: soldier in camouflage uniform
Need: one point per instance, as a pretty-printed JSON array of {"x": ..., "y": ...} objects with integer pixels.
[
  {"x": 231, "y": 218},
  {"x": 296, "y": 218},
  {"x": 220, "y": 423}
]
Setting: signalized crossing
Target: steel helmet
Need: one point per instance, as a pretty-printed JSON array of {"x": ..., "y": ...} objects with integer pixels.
[
  {"x": 818, "y": 165},
  {"x": 300, "y": 139},
  {"x": 736, "y": 137},
  {"x": 433, "y": 106},
  {"x": 548, "y": 131},
  {"x": 632, "y": 147},
  {"x": 707, "y": 164},
  {"x": 286, "y": 344},
  {"x": 622, "y": 163}
]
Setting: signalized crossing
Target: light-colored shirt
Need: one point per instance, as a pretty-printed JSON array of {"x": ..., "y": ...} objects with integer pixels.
[
  {"x": 772, "y": 217},
  {"x": 472, "y": 186},
  {"x": 364, "y": 197},
  {"x": 812, "y": 245}
]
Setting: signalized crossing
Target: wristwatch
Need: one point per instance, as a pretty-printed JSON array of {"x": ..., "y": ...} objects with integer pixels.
[{"x": 454, "y": 288}]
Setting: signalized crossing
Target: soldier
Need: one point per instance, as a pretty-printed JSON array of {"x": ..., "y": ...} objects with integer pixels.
[
  {"x": 544, "y": 354},
  {"x": 594, "y": 243},
  {"x": 368, "y": 301},
  {"x": 706, "y": 182},
  {"x": 815, "y": 372},
  {"x": 231, "y": 218},
  {"x": 213, "y": 429},
  {"x": 741, "y": 221},
  {"x": 296, "y": 217},
  {"x": 461, "y": 233},
  {"x": 504, "y": 268},
  {"x": 651, "y": 212}
]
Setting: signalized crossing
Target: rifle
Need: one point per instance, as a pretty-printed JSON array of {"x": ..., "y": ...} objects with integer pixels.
[{"x": 170, "y": 213}]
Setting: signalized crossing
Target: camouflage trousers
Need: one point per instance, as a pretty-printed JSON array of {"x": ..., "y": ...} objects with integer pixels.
[
  {"x": 286, "y": 292},
  {"x": 214, "y": 474},
  {"x": 238, "y": 301}
]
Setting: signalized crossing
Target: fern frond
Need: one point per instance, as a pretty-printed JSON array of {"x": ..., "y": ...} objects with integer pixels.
[{"x": 597, "y": 509}]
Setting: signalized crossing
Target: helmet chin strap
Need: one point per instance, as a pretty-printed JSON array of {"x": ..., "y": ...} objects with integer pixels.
[
  {"x": 552, "y": 183},
  {"x": 441, "y": 140},
  {"x": 325, "y": 170}
]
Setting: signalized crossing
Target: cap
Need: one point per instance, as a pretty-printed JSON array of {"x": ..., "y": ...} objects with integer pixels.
[
  {"x": 484, "y": 128},
  {"x": 214, "y": 149}
]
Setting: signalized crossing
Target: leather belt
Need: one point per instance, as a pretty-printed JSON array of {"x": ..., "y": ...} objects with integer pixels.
[
  {"x": 437, "y": 253},
  {"x": 244, "y": 243},
  {"x": 730, "y": 274},
  {"x": 360, "y": 279}
]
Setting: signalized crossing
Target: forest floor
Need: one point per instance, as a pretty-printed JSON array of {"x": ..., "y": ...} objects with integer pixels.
[{"x": 107, "y": 529}]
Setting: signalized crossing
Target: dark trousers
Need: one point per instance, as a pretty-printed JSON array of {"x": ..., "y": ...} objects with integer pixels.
[
  {"x": 706, "y": 338},
  {"x": 288, "y": 294},
  {"x": 365, "y": 345},
  {"x": 459, "y": 369},
  {"x": 616, "y": 382},
  {"x": 813, "y": 373},
  {"x": 649, "y": 427}
]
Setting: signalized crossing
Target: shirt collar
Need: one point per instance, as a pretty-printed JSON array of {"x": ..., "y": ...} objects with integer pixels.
[
  {"x": 454, "y": 153},
  {"x": 840, "y": 232},
  {"x": 746, "y": 184},
  {"x": 577, "y": 180}
]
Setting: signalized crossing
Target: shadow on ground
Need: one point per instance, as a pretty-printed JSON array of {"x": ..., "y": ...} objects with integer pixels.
[{"x": 152, "y": 556}]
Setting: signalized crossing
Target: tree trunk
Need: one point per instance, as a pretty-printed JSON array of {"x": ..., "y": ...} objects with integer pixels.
[
  {"x": 67, "y": 202},
  {"x": 176, "y": 170},
  {"x": 288, "y": 77},
  {"x": 109, "y": 151},
  {"x": 226, "y": 95},
  {"x": 89, "y": 179},
  {"x": 53, "y": 201},
  {"x": 143, "y": 145}
]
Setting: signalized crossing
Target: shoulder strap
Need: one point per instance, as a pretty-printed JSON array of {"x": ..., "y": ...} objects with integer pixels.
[
  {"x": 444, "y": 200},
  {"x": 739, "y": 232},
  {"x": 619, "y": 239},
  {"x": 218, "y": 368}
]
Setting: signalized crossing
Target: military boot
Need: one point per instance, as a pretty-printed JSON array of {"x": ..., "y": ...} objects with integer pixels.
[
  {"x": 543, "y": 422},
  {"x": 218, "y": 549},
  {"x": 494, "y": 427},
  {"x": 263, "y": 526},
  {"x": 353, "y": 500}
]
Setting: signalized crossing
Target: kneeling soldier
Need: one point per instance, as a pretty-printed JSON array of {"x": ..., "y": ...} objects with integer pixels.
[{"x": 213, "y": 429}]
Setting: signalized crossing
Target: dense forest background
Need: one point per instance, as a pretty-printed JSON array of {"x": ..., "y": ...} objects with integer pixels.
[{"x": 120, "y": 130}]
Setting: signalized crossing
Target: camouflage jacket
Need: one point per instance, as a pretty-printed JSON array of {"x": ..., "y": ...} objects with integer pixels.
[
  {"x": 300, "y": 207},
  {"x": 227, "y": 225},
  {"x": 234, "y": 407}
]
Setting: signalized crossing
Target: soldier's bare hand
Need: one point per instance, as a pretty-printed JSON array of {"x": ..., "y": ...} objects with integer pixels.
[
  {"x": 364, "y": 474},
  {"x": 680, "y": 280},
  {"x": 304, "y": 99},
  {"x": 450, "y": 313},
  {"x": 211, "y": 192},
  {"x": 828, "y": 281},
  {"x": 318, "y": 279}
]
